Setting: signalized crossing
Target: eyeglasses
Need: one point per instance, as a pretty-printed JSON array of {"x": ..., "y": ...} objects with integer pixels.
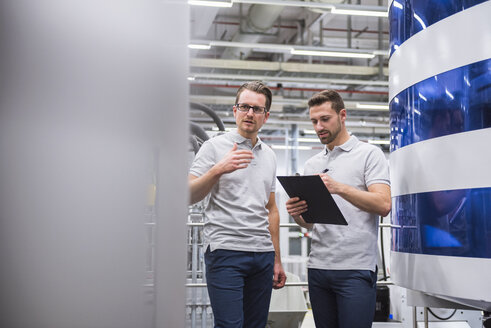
[{"x": 247, "y": 107}]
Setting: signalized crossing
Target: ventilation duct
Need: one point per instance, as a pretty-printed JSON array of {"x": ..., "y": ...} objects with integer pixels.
[{"x": 260, "y": 19}]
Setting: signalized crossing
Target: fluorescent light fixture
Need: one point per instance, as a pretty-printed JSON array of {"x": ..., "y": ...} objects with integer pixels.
[
  {"x": 331, "y": 53},
  {"x": 381, "y": 52},
  {"x": 283, "y": 79},
  {"x": 343, "y": 9},
  {"x": 359, "y": 12},
  {"x": 217, "y": 43},
  {"x": 298, "y": 50},
  {"x": 307, "y": 131},
  {"x": 379, "y": 142},
  {"x": 199, "y": 46},
  {"x": 308, "y": 140},
  {"x": 372, "y": 106},
  {"x": 223, "y": 4},
  {"x": 191, "y": 78},
  {"x": 291, "y": 147},
  {"x": 226, "y": 129}
]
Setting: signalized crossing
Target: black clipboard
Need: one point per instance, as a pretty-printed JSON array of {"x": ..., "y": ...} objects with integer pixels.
[{"x": 322, "y": 207}]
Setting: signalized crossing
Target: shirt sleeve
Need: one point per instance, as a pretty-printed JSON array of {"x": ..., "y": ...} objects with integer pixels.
[
  {"x": 376, "y": 168},
  {"x": 204, "y": 160}
]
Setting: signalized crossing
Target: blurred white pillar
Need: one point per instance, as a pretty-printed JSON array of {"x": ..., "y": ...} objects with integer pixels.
[{"x": 93, "y": 110}]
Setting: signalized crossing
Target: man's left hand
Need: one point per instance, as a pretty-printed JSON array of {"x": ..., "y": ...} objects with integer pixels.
[{"x": 279, "y": 278}]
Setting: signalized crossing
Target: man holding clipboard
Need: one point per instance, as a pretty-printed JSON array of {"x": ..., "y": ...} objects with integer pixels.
[{"x": 342, "y": 263}]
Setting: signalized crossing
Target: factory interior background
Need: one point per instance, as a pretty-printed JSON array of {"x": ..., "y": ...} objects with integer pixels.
[{"x": 103, "y": 106}]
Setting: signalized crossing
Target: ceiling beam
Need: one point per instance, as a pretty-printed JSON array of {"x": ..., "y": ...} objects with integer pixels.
[
  {"x": 286, "y": 67},
  {"x": 296, "y": 102},
  {"x": 286, "y": 79}
]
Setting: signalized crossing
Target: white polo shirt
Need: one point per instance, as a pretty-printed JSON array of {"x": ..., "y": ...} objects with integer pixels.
[
  {"x": 236, "y": 217},
  {"x": 351, "y": 247}
]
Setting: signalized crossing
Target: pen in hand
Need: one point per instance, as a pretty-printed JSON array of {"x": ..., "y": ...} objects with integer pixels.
[{"x": 325, "y": 170}]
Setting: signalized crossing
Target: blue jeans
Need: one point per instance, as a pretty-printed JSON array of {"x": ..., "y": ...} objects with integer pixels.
[
  {"x": 239, "y": 286},
  {"x": 342, "y": 298}
]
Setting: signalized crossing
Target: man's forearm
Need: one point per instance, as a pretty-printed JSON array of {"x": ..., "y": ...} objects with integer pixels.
[
  {"x": 274, "y": 230},
  {"x": 301, "y": 222},
  {"x": 373, "y": 201},
  {"x": 201, "y": 186}
]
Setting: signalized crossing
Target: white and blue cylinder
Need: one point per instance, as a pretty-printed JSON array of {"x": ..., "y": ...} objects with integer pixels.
[{"x": 440, "y": 161}]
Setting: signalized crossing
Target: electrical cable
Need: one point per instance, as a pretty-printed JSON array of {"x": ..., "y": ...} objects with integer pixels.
[
  {"x": 194, "y": 143},
  {"x": 210, "y": 112},
  {"x": 198, "y": 134},
  {"x": 440, "y": 318},
  {"x": 198, "y": 131}
]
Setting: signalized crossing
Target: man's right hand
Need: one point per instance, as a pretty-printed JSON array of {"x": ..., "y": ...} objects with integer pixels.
[{"x": 235, "y": 160}]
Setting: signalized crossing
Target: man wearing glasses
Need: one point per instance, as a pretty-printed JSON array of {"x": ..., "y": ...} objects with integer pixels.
[{"x": 241, "y": 232}]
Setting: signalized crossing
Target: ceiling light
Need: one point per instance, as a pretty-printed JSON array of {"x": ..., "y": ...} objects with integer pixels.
[
  {"x": 372, "y": 106},
  {"x": 214, "y": 128},
  {"x": 207, "y": 3},
  {"x": 359, "y": 12},
  {"x": 331, "y": 53},
  {"x": 282, "y": 47},
  {"x": 287, "y": 79},
  {"x": 199, "y": 46},
  {"x": 379, "y": 142},
  {"x": 343, "y": 9},
  {"x": 307, "y": 131},
  {"x": 297, "y": 50},
  {"x": 308, "y": 140}
]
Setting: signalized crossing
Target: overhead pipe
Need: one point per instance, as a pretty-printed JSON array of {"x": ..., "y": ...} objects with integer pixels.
[
  {"x": 385, "y": 93},
  {"x": 323, "y": 28},
  {"x": 260, "y": 19}
]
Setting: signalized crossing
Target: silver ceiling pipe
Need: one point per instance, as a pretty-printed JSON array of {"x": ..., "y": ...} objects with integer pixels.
[{"x": 260, "y": 19}]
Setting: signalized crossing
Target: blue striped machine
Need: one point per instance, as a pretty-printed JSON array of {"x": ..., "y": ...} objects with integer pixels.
[{"x": 440, "y": 161}]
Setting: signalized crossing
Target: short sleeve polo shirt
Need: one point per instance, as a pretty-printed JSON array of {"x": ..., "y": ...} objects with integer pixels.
[
  {"x": 351, "y": 247},
  {"x": 236, "y": 217}
]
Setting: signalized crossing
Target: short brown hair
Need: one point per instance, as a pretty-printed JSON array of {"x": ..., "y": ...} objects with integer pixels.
[
  {"x": 331, "y": 96},
  {"x": 258, "y": 87}
]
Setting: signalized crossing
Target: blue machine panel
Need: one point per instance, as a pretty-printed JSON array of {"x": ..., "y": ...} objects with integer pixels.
[
  {"x": 455, "y": 101},
  {"x": 454, "y": 222},
  {"x": 408, "y": 17}
]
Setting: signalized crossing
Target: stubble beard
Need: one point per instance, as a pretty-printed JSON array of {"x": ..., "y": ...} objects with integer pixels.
[{"x": 331, "y": 135}]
